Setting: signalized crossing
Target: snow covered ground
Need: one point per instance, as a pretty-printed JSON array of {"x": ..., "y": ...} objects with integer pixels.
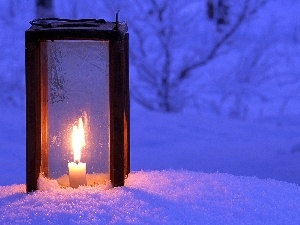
[
  {"x": 159, "y": 197},
  {"x": 212, "y": 144}
]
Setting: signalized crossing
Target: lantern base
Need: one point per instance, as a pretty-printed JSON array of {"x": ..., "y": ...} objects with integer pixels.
[{"x": 92, "y": 179}]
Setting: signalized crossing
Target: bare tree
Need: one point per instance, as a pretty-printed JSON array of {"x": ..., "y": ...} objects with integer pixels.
[
  {"x": 12, "y": 9},
  {"x": 218, "y": 12},
  {"x": 245, "y": 83},
  {"x": 169, "y": 44},
  {"x": 222, "y": 14},
  {"x": 44, "y": 8},
  {"x": 210, "y": 9},
  {"x": 8, "y": 10},
  {"x": 170, "y": 47},
  {"x": 158, "y": 34}
]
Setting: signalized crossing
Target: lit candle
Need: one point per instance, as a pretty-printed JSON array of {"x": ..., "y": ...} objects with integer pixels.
[{"x": 77, "y": 169}]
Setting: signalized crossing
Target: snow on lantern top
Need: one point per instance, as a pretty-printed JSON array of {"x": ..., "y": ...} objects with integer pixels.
[{"x": 77, "y": 102}]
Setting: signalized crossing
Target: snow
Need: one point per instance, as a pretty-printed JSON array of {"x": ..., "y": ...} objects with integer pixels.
[
  {"x": 158, "y": 197},
  {"x": 45, "y": 184},
  {"x": 191, "y": 167},
  {"x": 198, "y": 142}
]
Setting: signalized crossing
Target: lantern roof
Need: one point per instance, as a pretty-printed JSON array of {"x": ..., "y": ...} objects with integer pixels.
[{"x": 55, "y": 29}]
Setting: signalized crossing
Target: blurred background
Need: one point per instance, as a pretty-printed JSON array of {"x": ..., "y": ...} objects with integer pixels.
[{"x": 235, "y": 59}]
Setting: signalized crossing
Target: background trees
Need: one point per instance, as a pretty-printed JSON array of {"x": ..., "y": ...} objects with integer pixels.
[{"x": 223, "y": 56}]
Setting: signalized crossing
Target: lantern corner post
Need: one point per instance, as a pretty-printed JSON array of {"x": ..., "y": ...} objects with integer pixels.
[
  {"x": 36, "y": 112},
  {"x": 127, "y": 105},
  {"x": 33, "y": 115},
  {"x": 119, "y": 110}
]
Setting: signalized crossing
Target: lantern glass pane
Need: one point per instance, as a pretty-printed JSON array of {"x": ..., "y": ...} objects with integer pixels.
[{"x": 77, "y": 73}]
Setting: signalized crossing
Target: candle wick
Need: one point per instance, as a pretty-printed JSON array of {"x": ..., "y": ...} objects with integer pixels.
[{"x": 76, "y": 161}]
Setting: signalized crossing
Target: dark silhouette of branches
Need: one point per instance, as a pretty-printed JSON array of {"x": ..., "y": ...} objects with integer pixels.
[
  {"x": 169, "y": 45},
  {"x": 186, "y": 72}
]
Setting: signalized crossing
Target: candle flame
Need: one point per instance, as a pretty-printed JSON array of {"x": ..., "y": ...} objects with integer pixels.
[{"x": 78, "y": 140}]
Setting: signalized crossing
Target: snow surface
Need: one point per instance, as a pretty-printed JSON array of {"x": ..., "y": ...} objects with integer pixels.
[{"x": 158, "y": 197}]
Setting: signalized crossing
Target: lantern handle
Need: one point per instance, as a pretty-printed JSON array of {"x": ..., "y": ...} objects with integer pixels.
[{"x": 117, "y": 20}]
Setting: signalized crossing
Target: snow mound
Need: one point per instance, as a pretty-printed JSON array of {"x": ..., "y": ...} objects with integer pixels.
[{"x": 158, "y": 197}]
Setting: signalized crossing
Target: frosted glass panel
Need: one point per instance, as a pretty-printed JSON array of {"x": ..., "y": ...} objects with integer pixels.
[{"x": 78, "y": 86}]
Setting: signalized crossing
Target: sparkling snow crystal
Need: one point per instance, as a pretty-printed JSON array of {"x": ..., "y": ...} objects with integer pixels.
[{"x": 158, "y": 197}]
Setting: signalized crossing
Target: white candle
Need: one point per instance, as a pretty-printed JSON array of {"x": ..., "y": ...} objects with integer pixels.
[
  {"x": 77, "y": 169},
  {"x": 77, "y": 174}
]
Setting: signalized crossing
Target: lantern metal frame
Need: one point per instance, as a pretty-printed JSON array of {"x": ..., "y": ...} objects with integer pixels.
[{"x": 36, "y": 92}]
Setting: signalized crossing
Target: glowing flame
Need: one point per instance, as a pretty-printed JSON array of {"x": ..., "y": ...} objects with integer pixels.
[{"x": 78, "y": 140}]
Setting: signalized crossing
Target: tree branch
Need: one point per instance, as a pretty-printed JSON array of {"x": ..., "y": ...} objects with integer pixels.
[{"x": 186, "y": 72}]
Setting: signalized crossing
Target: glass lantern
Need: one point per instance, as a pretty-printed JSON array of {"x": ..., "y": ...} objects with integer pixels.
[{"x": 77, "y": 102}]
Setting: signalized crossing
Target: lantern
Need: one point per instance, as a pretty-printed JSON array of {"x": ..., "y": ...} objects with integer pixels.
[{"x": 77, "y": 102}]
